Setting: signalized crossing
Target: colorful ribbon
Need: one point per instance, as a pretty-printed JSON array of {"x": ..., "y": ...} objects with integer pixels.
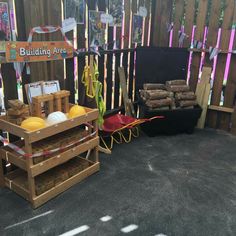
[{"x": 44, "y": 152}]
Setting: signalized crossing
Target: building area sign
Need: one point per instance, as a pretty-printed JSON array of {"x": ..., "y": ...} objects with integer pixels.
[{"x": 38, "y": 51}]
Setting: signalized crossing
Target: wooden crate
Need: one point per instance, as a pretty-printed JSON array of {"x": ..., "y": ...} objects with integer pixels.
[
  {"x": 26, "y": 180},
  {"x": 47, "y": 101}
]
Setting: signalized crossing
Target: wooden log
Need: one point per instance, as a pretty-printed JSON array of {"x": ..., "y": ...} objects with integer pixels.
[
  {"x": 185, "y": 96},
  {"x": 187, "y": 103},
  {"x": 159, "y": 103},
  {"x": 155, "y": 95},
  {"x": 199, "y": 34},
  {"x": 176, "y": 82},
  {"x": 154, "y": 86},
  {"x": 178, "y": 88}
]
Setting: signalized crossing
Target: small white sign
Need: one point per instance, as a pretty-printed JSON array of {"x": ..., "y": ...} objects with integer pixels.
[
  {"x": 51, "y": 87},
  {"x": 68, "y": 24},
  {"x": 142, "y": 11},
  {"x": 107, "y": 19}
]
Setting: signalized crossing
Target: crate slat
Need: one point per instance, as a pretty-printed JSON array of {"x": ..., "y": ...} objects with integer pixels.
[{"x": 63, "y": 157}]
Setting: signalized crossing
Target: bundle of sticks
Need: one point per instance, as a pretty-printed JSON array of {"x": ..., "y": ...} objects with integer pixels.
[
  {"x": 184, "y": 98},
  {"x": 156, "y": 97}
]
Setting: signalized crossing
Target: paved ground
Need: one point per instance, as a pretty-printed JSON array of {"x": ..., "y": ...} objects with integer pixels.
[{"x": 178, "y": 185}]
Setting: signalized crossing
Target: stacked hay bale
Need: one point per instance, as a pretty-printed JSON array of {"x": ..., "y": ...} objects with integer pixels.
[
  {"x": 156, "y": 97},
  {"x": 184, "y": 98}
]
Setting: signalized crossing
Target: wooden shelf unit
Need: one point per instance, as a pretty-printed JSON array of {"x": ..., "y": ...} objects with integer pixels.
[{"x": 24, "y": 179}]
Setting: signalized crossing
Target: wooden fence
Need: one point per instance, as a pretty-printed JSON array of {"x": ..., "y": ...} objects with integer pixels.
[{"x": 209, "y": 21}]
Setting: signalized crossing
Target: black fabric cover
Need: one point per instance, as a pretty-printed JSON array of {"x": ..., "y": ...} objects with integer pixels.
[{"x": 158, "y": 65}]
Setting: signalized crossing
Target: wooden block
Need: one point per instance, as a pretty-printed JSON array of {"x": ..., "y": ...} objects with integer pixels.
[
  {"x": 61, "y": 94},
  {"x": 222, "y": 109},
  {"x": 16, "y": 104},
  {"x": 201, "y": 87},
  {"x": 66, "y": 105},
  {"x": 18, "y": 112},
  {"x": 42, "y": 98}
]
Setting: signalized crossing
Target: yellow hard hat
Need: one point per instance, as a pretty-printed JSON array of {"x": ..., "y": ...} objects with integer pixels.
[
  {"x": 76, "y": 110},
  {"x": 33, "y": 123},
  {"x": 56, "y": 117}
]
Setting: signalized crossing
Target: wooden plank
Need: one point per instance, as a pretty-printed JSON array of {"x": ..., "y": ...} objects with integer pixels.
[
  {"x": 214, "y": 23},
  {"x": 94, "y": 152},
  {"x": 101, "y": 69},
  {"x": 212, "y": 41},
  {"x": 70, "y": 80},
  {"x": 202, "y": 120},
  {"x": 36, "y": 17},
  {"x": 2, "y": 166},
  {"x": 202, "y": 93},
  {"x": 12, "y": 157},
  {"x": 117, "y": 81},
  {"x": 131, "y": 75},
  {"x": 21, "y": 30},
  {"x": 161, "y": 15},
  {"x": 39, "y": 200},
  {"x": 17, "y": 188},
  {"x": 231, "y": 82},
  {"x": 129, "y": 109},
  {"x": 11, "y": 128},
  {"x": 189, "y": 21},
  {"x": 109, "y": 71},
  {"x": 233, "y": 128},
  {"x": 131, "y": 89},
  {"x": 134, "y": 9},
  {"x": 63, "y": 157},
  {"x": 179, "y": 11},
  {"x": 9, "y": 83},
  {"x": 53, "y": 11},
  {"x": 101, "y": 60},
  {"x": 221, "y": 109},
  {"x": 127, "y": 8},
  {"x": 199, "y": 33},
  {"x": 230, "y": 90},
  {"x": 221, "y": 64},
  {"x": 205, "y": 79},
  {"x": 20, "y": 20},
  {"x": 147, "y": 23},
  {"x": 81, "y": 42}
]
